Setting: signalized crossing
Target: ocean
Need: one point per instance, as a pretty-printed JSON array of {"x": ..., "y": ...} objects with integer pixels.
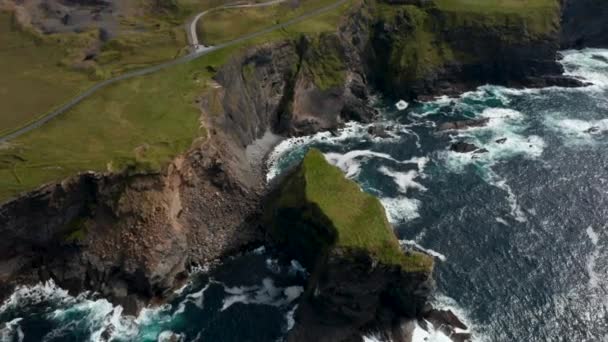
[{"x": 518, "y": 231}]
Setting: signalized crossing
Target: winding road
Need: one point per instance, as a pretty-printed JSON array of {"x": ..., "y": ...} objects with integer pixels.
[
  {"x": 198, "y": 52},
  {"x": 192, "y": 24}
]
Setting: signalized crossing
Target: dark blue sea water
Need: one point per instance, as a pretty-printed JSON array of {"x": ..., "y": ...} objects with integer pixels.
[{"x": 519, "y": 232}]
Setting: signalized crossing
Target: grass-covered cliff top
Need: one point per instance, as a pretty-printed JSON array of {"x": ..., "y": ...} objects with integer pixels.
[
  {"x": 339, "y": 214},
  {"x": 538, "y": 17},
  {"x": 139, "y": 123}
]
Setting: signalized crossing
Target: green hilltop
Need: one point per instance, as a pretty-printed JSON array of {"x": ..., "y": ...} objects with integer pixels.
[{"x": 317, "y": 210}]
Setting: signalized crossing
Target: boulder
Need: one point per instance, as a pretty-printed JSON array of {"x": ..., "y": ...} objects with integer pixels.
[
  {"x": 463, "y": 124},
  {"x": 463, "y": 147}
]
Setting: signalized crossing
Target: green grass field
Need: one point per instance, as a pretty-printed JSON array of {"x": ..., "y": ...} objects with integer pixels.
[
  {"x": 227, "y": 24},
  {"x": 32, "y": 81},
  {"x": 539, "y": 17},
  {"x": 342, "y": 215},
  {"x": 40, "y": 72},
  {"x": 140, "y": 123}
]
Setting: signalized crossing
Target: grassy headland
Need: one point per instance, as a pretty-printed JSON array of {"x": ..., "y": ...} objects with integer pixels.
[
  {"x": 336, "y": 214},
  {"x": 139, "y": 124}
]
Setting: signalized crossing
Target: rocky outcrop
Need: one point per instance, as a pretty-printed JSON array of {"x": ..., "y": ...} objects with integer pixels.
[
  {"x": 430, "y": 49},
  {"x": 132, "y": 236},
  {"x": 295, "y": 88},
  {"x": 359, "y": 274},
  {"x": 463, "y": 124}
]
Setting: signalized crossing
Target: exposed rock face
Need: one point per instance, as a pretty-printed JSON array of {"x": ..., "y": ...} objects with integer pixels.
[
  {"x": 429, "y": 49},
  {"x": 584, "y": 24},
  {"x": 463, "y": 147},
  {"x": 463, "y": 124},
  {"x": 295, "y": 88},
  {"x": 359, "y": 274},
  {"x": 131, "y": 236}
]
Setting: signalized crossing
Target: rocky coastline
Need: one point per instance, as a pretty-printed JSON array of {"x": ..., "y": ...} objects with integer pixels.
[{"x": 133, "y": 236}]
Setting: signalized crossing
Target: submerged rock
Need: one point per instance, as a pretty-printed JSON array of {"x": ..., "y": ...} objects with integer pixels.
[
  {"x": 463, "y": 147},
  {"x": 378, "y": 131},
  {"x": 341, "y": 234},
  {"x": 463, "y": 124}
]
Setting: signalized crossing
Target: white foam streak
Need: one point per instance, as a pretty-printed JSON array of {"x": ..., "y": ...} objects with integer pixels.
[
  {"x": 12, "y": 331},
  {"x": 594, "y": 277},
  {"x": 404, "y": 180},
  {"x": 585, "y": 64},
  {"x": 418, "y": 247},
  {"x": 434, "y": 335},
  {"x": 401, "y": 209},
  {"x": 351, "y": 130},
  {"x": 350, "y": 162},
  {"x": 577, "y": 131},
  {"x": 289, "y": 318},
  {"x": 516, "y": 210},
  {"x": 373, "y": 338},
  {"x": 267, "y": 294}
]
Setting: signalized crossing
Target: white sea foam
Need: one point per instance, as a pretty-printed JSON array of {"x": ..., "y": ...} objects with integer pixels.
[
  {"x": 404, "y": 180},
  {"x": 402, "y": 105},
  {"x": 502, "y": 138},
  {"x": 170, "y": 336},
  {"x": 516, "y": 210},
  {"x": 350, "y": 162},
  {"x": 290, "y": 318},
  {"x": 418, "y": 247},
  {"x": 11, "y": 331},
  {"x": 373, "y": 338},
  {"x": 267, "y": 294},
  {"x": 592, "y": 235},
  {"x": 443, "y": 302},
  {"x": 433, "y": 335},
  {"x": 582, "y": 64},
  {"x": 401, "y": 209},
  {"x": 296, "y": 268},
  {"x": 577, "y": 131},
  {"x": 502, "y": 221},
  {"x": 594, "y": 277},
  {"x": 351, "y": 130},
  {"x": 32, "y": 295}
]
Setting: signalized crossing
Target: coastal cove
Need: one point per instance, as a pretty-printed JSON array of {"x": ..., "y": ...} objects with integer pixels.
[{"x": 517, "y": 231}]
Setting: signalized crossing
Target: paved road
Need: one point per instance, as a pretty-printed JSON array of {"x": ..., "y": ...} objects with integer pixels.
[
  {"x": 146, "y": 71},
  {"x": 191, "y": 24}
]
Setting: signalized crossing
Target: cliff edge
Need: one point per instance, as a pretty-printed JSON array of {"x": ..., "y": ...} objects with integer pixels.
[{"x": 359, "y": 274}]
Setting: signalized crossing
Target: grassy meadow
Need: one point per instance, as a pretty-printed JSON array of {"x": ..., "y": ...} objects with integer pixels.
[
  {"x": 137, "y": 124},
  {"x": 227, "y": 24}
]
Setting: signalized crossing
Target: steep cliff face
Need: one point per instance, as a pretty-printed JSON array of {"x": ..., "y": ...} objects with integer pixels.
[
  {"x": 132, "y": 236},
  {"x": 295, "y": 88},
  {"x": 359, "y": 274},
  {"x": 449, "y": 46},
  {"x": 584, "y": 24}
]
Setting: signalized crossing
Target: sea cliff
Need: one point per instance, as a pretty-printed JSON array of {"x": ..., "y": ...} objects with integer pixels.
[{"x": 133, "y": 235}]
